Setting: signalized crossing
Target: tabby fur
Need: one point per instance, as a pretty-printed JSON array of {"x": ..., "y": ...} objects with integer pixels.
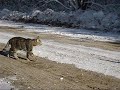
[{"x": 20, "y": 43}]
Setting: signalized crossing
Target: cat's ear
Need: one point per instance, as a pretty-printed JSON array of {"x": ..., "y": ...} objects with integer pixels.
[{"x": 38, "y": 37}]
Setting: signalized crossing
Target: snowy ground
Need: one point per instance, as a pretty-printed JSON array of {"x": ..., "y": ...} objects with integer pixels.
[
  {"x": 75, "y": 33},
  {"x": 94, "y": 59},
  {"x": 5, "y": 83},
  {"x": 88, "y": 58}
]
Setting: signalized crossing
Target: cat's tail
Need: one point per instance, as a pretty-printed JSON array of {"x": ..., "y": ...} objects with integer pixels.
[{"x": 6, "y": 46}]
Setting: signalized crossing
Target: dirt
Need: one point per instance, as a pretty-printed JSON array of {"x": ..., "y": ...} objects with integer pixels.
[{"x": 43, "y": 74}]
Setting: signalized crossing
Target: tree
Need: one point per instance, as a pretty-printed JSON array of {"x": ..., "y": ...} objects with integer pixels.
[{"x": 80, "y": 4}]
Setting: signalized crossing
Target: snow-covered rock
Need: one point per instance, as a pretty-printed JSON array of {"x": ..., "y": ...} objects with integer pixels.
[
  {"x": 11, "y": 15},
  {"x": 48, "y": 12},
  {"x": 15, "y": 15},
  {"x": 36, "y": 13},
  {"x": 4, "y": 13}
]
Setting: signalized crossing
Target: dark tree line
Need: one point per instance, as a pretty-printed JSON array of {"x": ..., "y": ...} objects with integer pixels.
[{"x": 57, "y": 5}]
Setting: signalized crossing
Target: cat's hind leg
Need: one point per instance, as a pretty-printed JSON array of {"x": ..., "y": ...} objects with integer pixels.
[{"x": 13, "y": 54}]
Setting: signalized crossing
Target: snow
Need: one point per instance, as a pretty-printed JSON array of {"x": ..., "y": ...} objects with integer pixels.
[
  {"x": 10, "y": 24},
  {"x": 4, "y": 13},
  {"x": 88, "y": 58},
  {"x": 94, "y": 59},
  {"x": 5, "y": 83},
  {"x": 88, "y": 19},
  {"x": 4, "y": 36},
  {"x": 75, "y": 33}
]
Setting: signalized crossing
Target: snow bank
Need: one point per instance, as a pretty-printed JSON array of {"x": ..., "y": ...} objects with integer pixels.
[
  {"x": 15, "y": 15},
  {"x": 75, "y": 33},
  {"x": 4, "y": 13},
  {"x": 11, "y": 15},
  {"x": 88, "y": 19}
]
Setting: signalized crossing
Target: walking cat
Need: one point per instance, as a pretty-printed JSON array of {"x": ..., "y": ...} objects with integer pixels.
[{"x": 20, "y": 43}]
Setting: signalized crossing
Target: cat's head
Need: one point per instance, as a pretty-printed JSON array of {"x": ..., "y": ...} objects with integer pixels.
[{"x": 37, "y": 41}]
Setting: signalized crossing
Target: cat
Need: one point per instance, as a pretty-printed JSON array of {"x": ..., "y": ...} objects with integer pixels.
[{"x": 20, "y": 43}]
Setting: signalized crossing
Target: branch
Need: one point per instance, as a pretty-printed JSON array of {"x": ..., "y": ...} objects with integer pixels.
[
  {"x": 111, "y": 4},
  {"x": 37, "y": 3},
  {"x": 73, "y": 4},
  {"x": 93, "y": 3},
  {"x": 61, "y": 4},
  {"x": 46, "y": 2}
]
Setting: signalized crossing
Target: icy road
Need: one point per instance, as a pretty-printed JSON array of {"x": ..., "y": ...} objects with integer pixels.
[{"x": 102, "y": 61}]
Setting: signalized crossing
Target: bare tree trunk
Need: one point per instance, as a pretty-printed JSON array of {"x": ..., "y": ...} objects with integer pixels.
[{"x": 80, "y": 4}]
